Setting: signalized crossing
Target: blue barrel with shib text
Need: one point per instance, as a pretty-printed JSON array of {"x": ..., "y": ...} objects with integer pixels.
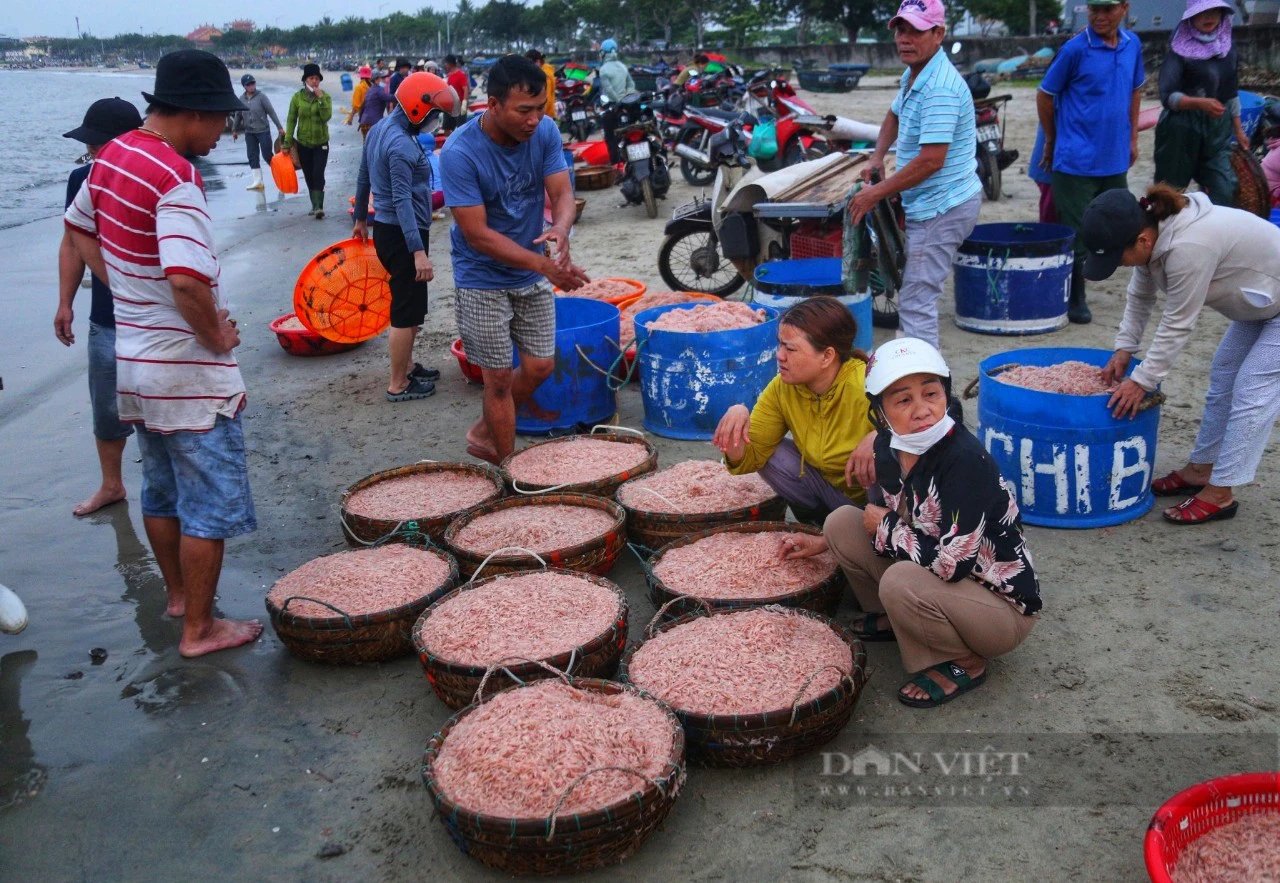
[
  {"x": 688, "y": 379},
  {"x": 576, "y": 396},
  {"x": 783, "y": 283},
  {"x": 346, "y": 82},
  {"x": 1014, "y": 278},
  {"x": 1070, "y": 463}
]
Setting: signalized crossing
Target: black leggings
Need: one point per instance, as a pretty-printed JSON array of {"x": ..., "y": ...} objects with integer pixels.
[
  {"x": 255, "y": 143},
  {"x": 314, "y": 159}
]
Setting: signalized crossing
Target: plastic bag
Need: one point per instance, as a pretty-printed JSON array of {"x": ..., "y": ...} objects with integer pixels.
[{"x": 764, "y": 140}]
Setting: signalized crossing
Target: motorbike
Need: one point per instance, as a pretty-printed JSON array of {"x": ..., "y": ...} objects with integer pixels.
[
  {"x": 578, "y": 116},
  {"x": 699, "y": 245},
  {"x": 770, "y": 94},
  {"x": 993, "y": 159},
  {"x": 646, "y": 177},
  {"x": 700, "y": 125}
]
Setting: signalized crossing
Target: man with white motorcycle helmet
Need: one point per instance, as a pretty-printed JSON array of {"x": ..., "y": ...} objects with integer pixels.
[
  {"x": 943, "y": 567},
  {"x": 395, "y": 168},
  {"x": 932, "y": 121}
]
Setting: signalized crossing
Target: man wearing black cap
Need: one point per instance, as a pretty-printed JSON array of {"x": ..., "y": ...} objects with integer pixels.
[
  {"x": 142, "y": 223},
  {"x": 402, "y": 70},
  {"x": 106, "y": 119}
]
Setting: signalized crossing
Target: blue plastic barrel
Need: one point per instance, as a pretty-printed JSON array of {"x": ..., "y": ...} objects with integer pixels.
[
  {"x": 1251, "y": 107},
  {"x": 573, "y": 178},
  {"x": 688, "y": 380},
  {"x": 1014, "y": 278},
  {"x": 780, "y": 284},
  {"x": 346, "y": 82},
  {"x": 576, "y": 395},
  {"x": 1072, "y": 464}
]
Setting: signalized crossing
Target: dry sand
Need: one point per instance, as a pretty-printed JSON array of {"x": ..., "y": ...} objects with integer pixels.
[{"x": 244, "y": 764}]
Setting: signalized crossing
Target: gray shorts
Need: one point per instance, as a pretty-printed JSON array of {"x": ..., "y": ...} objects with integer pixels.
[
  {"x": 490, "y": 319},
  {"x": 102, "y": 385}
]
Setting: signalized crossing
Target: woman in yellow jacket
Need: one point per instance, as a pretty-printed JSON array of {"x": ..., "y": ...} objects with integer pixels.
[{"x": 820, "y": 399}]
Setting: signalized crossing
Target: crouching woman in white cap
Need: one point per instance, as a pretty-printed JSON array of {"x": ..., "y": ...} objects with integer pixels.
[{"x": 944, "y": 569}]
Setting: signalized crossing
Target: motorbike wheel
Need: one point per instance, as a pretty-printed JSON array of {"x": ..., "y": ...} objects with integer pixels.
[
  {"x": 650, "y": 200},
  {"x": 695, "y": 175},
  {"x": 989, "y": 173},
  {"x": 884, "y": 306},
  {"x": 796, "y": 152},
  {"x": 692, "y": 261}
]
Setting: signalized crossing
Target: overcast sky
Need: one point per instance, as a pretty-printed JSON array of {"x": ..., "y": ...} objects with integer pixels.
[{"x": 57, "y": 18}]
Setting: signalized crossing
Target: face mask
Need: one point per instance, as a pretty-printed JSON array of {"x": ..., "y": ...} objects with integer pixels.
[
  {"x": 1206, "y": 38},
  {"x": 919, "y": 442}
]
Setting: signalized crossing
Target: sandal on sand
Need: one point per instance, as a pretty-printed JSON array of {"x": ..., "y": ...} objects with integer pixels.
[
  {"x": 421, "y": 372},
  {"x": 1173, "y": 485},
  {"x": 937, "y": 695},
  {"x": 866, "y": 629},
  {"x": 417, "y": 389},
  {"x": 1194, "y": 510}
]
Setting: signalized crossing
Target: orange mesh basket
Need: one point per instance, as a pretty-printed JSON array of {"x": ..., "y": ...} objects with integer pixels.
[
  {"x": 635, "y": 288},
  {"x": 344, "y": 293}
]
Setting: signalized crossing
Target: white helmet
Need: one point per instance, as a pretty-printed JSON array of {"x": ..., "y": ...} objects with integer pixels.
[{"x": 900, "y": 358}]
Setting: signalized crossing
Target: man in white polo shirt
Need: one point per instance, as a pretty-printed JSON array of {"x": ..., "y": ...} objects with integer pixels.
[{"x": 932, "y": 121}]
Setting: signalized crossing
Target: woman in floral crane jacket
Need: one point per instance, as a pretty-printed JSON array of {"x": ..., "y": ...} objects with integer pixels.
[{"x": 942, "y": 567}]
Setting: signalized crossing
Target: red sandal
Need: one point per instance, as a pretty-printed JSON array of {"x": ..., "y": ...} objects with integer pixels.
[
  {"x": 1174, "y": 485},
  {"x": 1194, "y": 510}
]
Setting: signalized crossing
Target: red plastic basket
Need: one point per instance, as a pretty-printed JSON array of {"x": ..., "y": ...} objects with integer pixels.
[
  {"x": 301, "y": 342},
  {"x": 470, "y": 373},
  {"x": 1192, "y": 813},
  {"x": 815, "y": 242}
]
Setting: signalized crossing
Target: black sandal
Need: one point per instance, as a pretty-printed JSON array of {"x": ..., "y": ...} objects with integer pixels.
[
  {"x": 417, "y": 389},
  {"x": 421, "y": 372},
  {"x": 866, "y": 631}
]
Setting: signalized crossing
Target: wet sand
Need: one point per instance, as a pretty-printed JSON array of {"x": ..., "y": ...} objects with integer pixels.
[{"x": 243, "y": 764}]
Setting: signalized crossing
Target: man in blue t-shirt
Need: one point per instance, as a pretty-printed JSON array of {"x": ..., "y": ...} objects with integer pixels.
[
  {"x": 932, "y": 122},
  {"x": 496, "y": 169},
  {"x": 106, "y": 119},
  {"x": 1088, "y": 109}
]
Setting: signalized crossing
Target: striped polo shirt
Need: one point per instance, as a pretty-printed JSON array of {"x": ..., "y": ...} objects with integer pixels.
[
  {"x": 937, "y": 109},
  {"x": 145, "y": 205}
]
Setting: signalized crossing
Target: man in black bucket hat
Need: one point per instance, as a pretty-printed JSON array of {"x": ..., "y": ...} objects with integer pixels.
[
  {"x": 142, "y": 223},
  {"x": 106, "y": 118}
]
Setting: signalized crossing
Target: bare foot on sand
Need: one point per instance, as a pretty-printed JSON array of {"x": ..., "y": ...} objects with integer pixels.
[
  {"x": 104, "y": 497},
  {"x": 223, "y": 634},
  {"x": 177, "y": 606},
  {"x": 480, "y": 443}
]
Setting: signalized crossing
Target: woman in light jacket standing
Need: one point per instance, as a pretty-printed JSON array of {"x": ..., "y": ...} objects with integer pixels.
[
  {"x": 253, "y": 123},
  {"x": 1200, "y": 255},
  {"x": 308, "y": 127}
]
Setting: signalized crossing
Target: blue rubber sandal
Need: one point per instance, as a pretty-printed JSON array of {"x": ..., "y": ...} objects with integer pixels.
[{"x": 937, "y": 695}]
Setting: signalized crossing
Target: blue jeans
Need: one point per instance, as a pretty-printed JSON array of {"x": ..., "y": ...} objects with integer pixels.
[
  {"x": 102, "y": 385},
  {"x": 199, "y": 478},
  {"x": 255, "y": 143}
]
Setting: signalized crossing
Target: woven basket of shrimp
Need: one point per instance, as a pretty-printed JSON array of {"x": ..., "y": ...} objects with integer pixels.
[
  {"x": 1252, "y": 192},
  {"x": 423, "y": 497},
  {"x": 694, "y": 496},
  {"x": 523, "y": 622},
  {"x": 742, "y": 565},
  {"x": 556, "y": 777},
  {"x": 595, "y": 464},
  {"x": 574, "y": 531},
  {"x": 360, "y": 605},
  {"x": 751, "y": 687}
]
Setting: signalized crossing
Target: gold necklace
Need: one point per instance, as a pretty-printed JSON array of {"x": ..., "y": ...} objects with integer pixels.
[{"x": 158, "y": 135}]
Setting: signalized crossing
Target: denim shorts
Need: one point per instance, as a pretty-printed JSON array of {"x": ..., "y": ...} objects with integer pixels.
[
  {"x": 102, "y": 385},
  {"x": 199, "y": 478}
]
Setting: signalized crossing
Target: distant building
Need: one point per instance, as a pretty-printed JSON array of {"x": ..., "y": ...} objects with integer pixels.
[
  {"x": 241, "y": 24},
  {"x": 204, "y": 35}
]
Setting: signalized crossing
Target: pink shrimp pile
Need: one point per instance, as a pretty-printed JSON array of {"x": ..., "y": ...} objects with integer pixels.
[
  {"x": 1068, "y": 378},
  {"x": 647, "y": 302},
  {"x": 1245, "y": 850},
  {"x": 362, "y": 581},
  {"x": 516, "y": 755},
  {"x": 421, "y": 495},
  {"x": 695, "y": 487},
  {"x": 602, "y": 289},
  {"x": 750, "y": 662},
  {"x": 531, "y": 615},
  {"x": 541, "y": 529},
  {"x": 727, "y": 315},
  {"x": 293, "y": 323},
  {"x": 575, "y": 461},
  {"x": 734, "y": 565}
]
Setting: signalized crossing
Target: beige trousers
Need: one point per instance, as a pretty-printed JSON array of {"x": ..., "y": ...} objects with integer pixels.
[{"x": 934, "y": 620}]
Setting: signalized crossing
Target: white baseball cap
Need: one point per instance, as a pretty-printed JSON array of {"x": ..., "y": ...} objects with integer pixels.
[{"x": 901, "y": 358}]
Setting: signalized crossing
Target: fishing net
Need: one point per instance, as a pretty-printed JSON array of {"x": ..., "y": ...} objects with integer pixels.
[{"x": 344, "y": 293}]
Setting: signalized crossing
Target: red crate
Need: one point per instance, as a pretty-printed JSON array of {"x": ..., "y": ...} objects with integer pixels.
[{"x": 817, "y": 242}]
